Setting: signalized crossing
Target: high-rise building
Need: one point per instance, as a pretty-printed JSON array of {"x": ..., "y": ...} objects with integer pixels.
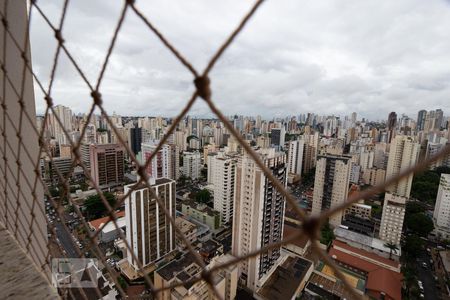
[
  {"x": 441, "y": 213},
  {"x": 192, "y": 164},
  {"x": 64, "y": 114},
  {"x": 421, "y": 117},
  {"x": 258, "y": 215},
  {"x": 438, "y": 119},
  {"x": 403, "y": 154},
  {"x": 165, "y": 164},
  {"x": 391, "y": 125},
  {"x": 277, "y": 136},
  {"x": 331, "y": 185},
  {"x": 107, "y": 164},
  {"x": 149, "y": 231},
  {"x": 354, "y": 116},
  {"x": 310, "y": 150},
  {"x": 392, "y": 218},
  {"x": 135, "y": 139},
  {"x": 366, "y": 159},
  {"x": 174, "y": 171},
  {"x": 221, "y": 171},
  {"x": 295, "y": 156}
]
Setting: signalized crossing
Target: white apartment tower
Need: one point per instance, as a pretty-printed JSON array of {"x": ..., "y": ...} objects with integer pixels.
[
  {"x": 166, "y": 162},
  {"x": 192, "y": 164},
  {"x": 295, "y": 156},
  {"x": 310, "y": 149},
  {"x": 258, "y": 215},
  {"x": 403, "y": 154},
  {"x": 331, "y": 185},
  {"x": 441, "y": 213},
  {"x": 64, "y": 114},
  {"x": 221, "y": 171},
  {"x": 392, "y": 218},
  {"x": 148, "y": 230}
]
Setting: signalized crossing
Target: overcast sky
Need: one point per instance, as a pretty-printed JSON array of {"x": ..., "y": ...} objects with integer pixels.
[{"x": 327, "y": 57}]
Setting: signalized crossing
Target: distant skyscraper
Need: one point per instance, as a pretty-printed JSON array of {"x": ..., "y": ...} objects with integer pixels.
[
  {"x": 438, "y": 119},
  {"x": 403, "y": 154},
  {"x": 107, "y": 164},
  {"x": 392, "y": 218},
  {"x": 421, "y": 117},
  {"x": 135, "y": 139},
  {"x": 160, "y": 165},
  {"x": 277, "y": 136},
  {"x": 392, "y": 124},
  {"x": 64, "y": 114},
  {"x": 295, "y": 156},
  {"x": 221, "y": 171},
  {"x": 149, "y": 232},
  {"x": 354, "y": 116},
  {"x": 192, "y": 164},
  {"x": 331, "y": 185},
  {"x": 441, "y": 213},
  {"x": 258, "y": 215},
  {"x": 310, "y": 150}
]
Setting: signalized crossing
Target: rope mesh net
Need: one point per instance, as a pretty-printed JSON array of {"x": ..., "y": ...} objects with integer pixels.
[{"x": 21, "y": 169}]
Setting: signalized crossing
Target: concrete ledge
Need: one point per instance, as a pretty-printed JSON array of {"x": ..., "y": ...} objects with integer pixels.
[{"x": 19, "y": 278}]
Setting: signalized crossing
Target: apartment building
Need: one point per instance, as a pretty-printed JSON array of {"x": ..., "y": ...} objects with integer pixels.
[
  {"x": 221, "y": 172},
  {"x": 392, "y": 218},
  {"x": 107, "y": 164},
  {"x": 441, "y": 213},
  {"x": 403, "y": 154},
  {"x": 258, "y": 214},
  {"x": 192, "y": 164},
  {"x": 149, "y": 232},
  {"x": 331, "y": 185}
]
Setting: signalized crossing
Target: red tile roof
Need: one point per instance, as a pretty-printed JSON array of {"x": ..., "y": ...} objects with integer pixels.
[
  {"x": 384, "y": 280},
  {"x": 98, "y": 222},
  {"x": 379, "y": 278}
]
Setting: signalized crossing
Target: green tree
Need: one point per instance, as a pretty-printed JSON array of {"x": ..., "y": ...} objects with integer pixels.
[
  {"x": 425, "y": 185},
  {"x": 123, "y": 283},
  {"x": 326, "y": 234},
  {"x": 95, "y": 207},
  {"x": 204, "y": 196},
  {"x": 419, "y": 223},
  {"x": 412, "y": 246},
  {"x": 392, "y": 248}
]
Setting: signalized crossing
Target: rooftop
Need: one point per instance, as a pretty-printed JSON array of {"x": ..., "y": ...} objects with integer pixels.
[
  {"x": 347, "y": 235},
  {"x": 201, "y": 207},
  {"x": 284, "y": 282},
  {"x": 97, "y": 223},
  {"x": 379, "y": 278},
  {"x": 170, "y": 270}
]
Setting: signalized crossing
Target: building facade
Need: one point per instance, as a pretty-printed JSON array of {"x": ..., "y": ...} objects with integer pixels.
[
  {"x": 331, "y": 185},
  {"x": 149, "y": 232},
  {"x": 192, "y": 164},
  {"x": 107, "y": 164},
  {"x": 392, "y": 218},
  {"x": 295, "y": 156},
  {"x": 441, "y": 213},
  {"x": 258, "y": 215},
  {"x": 221, "y": 171},
  {"x": 403, "y": 154}
]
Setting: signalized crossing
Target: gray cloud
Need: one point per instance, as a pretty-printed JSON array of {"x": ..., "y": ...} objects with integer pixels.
[{"x": 294, "y": 57}]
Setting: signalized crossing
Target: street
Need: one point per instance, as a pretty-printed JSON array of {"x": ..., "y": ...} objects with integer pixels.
[
  {"x": 65, "y": 239},
  {"x": 426, "y": 275}
]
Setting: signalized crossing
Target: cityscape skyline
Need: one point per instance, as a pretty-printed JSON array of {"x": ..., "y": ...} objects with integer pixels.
[
  {"x": 324, "y": 172},
  {"x": 331, "y": 57}
]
